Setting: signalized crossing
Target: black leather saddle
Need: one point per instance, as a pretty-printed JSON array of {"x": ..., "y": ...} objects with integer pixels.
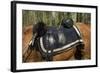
[
  {"x": 56, "y": 40},
  {"x": 53, "y": 40}
]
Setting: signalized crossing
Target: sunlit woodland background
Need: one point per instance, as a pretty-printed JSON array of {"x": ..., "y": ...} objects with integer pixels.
[{"x": 31, "y": 17}]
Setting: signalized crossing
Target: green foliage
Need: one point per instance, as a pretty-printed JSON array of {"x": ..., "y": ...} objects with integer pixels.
[{"x": 53, "y": 18}]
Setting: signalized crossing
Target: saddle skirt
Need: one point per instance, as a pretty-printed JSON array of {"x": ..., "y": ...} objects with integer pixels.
[{"x": 58, "y": 39}]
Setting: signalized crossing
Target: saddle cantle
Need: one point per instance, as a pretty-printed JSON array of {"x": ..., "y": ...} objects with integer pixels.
[{"x": 59, "y": 39}]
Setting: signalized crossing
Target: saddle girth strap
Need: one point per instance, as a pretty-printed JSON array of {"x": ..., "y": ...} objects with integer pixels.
[
  {"x": 78, "y": 53},
  {"x": 49, "y": 55}
]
